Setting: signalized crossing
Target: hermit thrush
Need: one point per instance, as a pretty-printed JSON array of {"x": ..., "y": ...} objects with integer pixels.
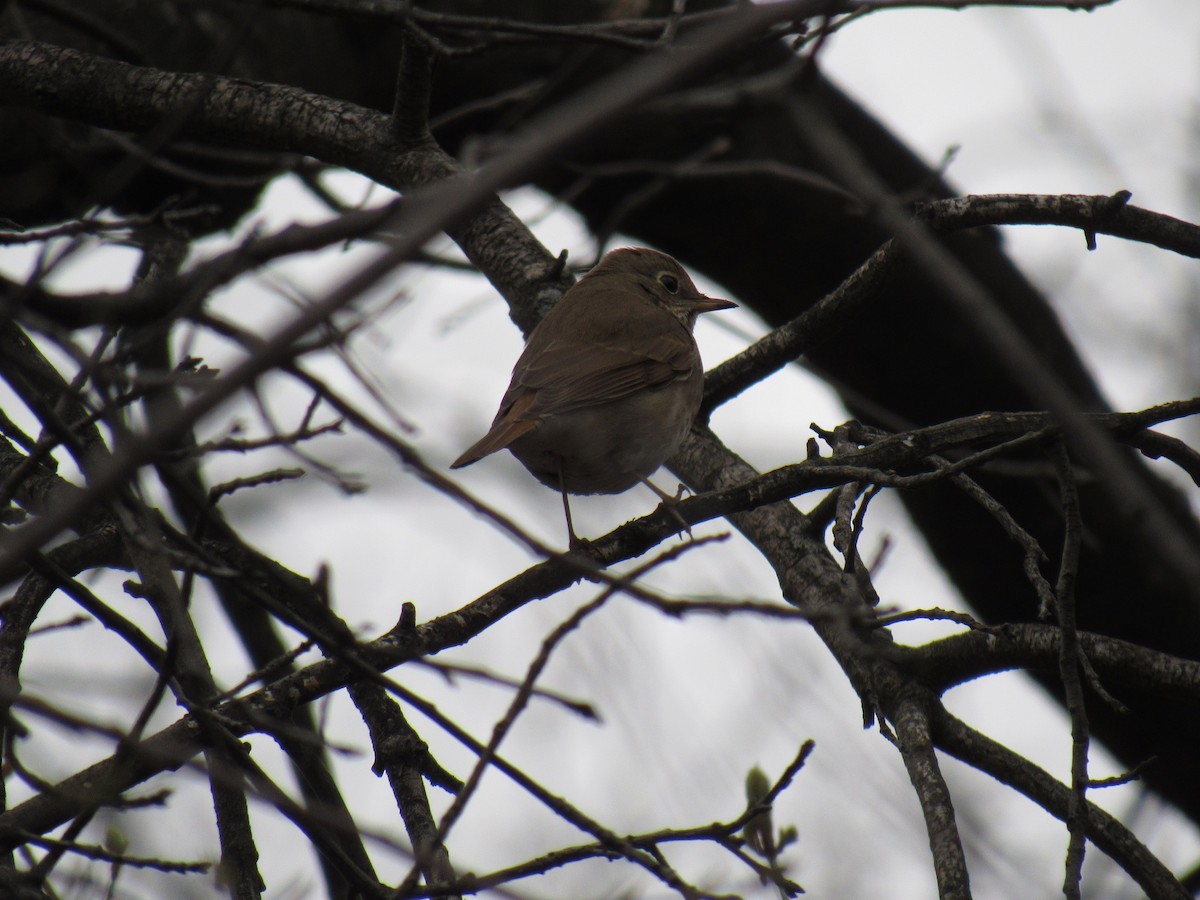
[{"x": 608, "y": 383}]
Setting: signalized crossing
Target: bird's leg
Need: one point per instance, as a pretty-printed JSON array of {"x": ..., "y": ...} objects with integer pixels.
[
  {"x": 669, "y": 502},
  {"x": 573, "y": 541}
]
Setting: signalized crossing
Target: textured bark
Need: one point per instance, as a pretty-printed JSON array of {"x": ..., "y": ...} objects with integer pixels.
[{"x": 776, "y": 244}]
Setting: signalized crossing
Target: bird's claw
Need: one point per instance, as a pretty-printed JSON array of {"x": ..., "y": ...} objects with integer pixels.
[{"x": 670, "y": 503}]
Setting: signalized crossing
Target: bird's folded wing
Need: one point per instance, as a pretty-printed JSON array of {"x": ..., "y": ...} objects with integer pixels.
[
  {"x": 510, "y": 424},
  {"x": 562, "y": 376},
  {"x": 569, "y": 376}
]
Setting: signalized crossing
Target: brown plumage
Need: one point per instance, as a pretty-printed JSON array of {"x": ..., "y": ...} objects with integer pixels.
[{"x": 609, "y": 382}]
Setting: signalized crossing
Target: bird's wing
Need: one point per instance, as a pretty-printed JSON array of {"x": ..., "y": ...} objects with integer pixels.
[
  {"x": 562, "y": 376},
  {"x": 556, "y": 375},
  {"x": 570, "y": 375},
  {"x": 509, "y": 426}
]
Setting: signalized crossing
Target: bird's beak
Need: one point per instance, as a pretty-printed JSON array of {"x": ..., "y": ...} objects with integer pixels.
[{"x": 705, "y": 304}]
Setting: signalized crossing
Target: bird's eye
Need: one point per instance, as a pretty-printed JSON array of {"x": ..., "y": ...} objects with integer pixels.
[{"x": 670, "y": 282}]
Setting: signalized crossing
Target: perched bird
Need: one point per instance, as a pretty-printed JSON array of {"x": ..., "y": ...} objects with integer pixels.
[{"x": 608, "y": 383}]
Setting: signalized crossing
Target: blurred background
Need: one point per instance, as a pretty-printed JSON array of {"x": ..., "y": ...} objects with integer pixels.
[{"x": 1007, "y": 100}]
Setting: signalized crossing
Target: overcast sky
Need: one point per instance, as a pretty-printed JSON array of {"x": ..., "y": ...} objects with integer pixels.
[{"x": 1036, "y": 101}]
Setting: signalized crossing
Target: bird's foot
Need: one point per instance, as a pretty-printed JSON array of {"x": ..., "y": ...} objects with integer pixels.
[
  {"x": 669, "y": 502},
  {"x": 684, "y": 525}
]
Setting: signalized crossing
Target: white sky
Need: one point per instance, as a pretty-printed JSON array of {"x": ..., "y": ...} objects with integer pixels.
[{"x": 1038, "y": 101}]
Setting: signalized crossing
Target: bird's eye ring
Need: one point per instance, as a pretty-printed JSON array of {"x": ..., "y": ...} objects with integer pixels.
[{"x": 669, "y": 281}]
